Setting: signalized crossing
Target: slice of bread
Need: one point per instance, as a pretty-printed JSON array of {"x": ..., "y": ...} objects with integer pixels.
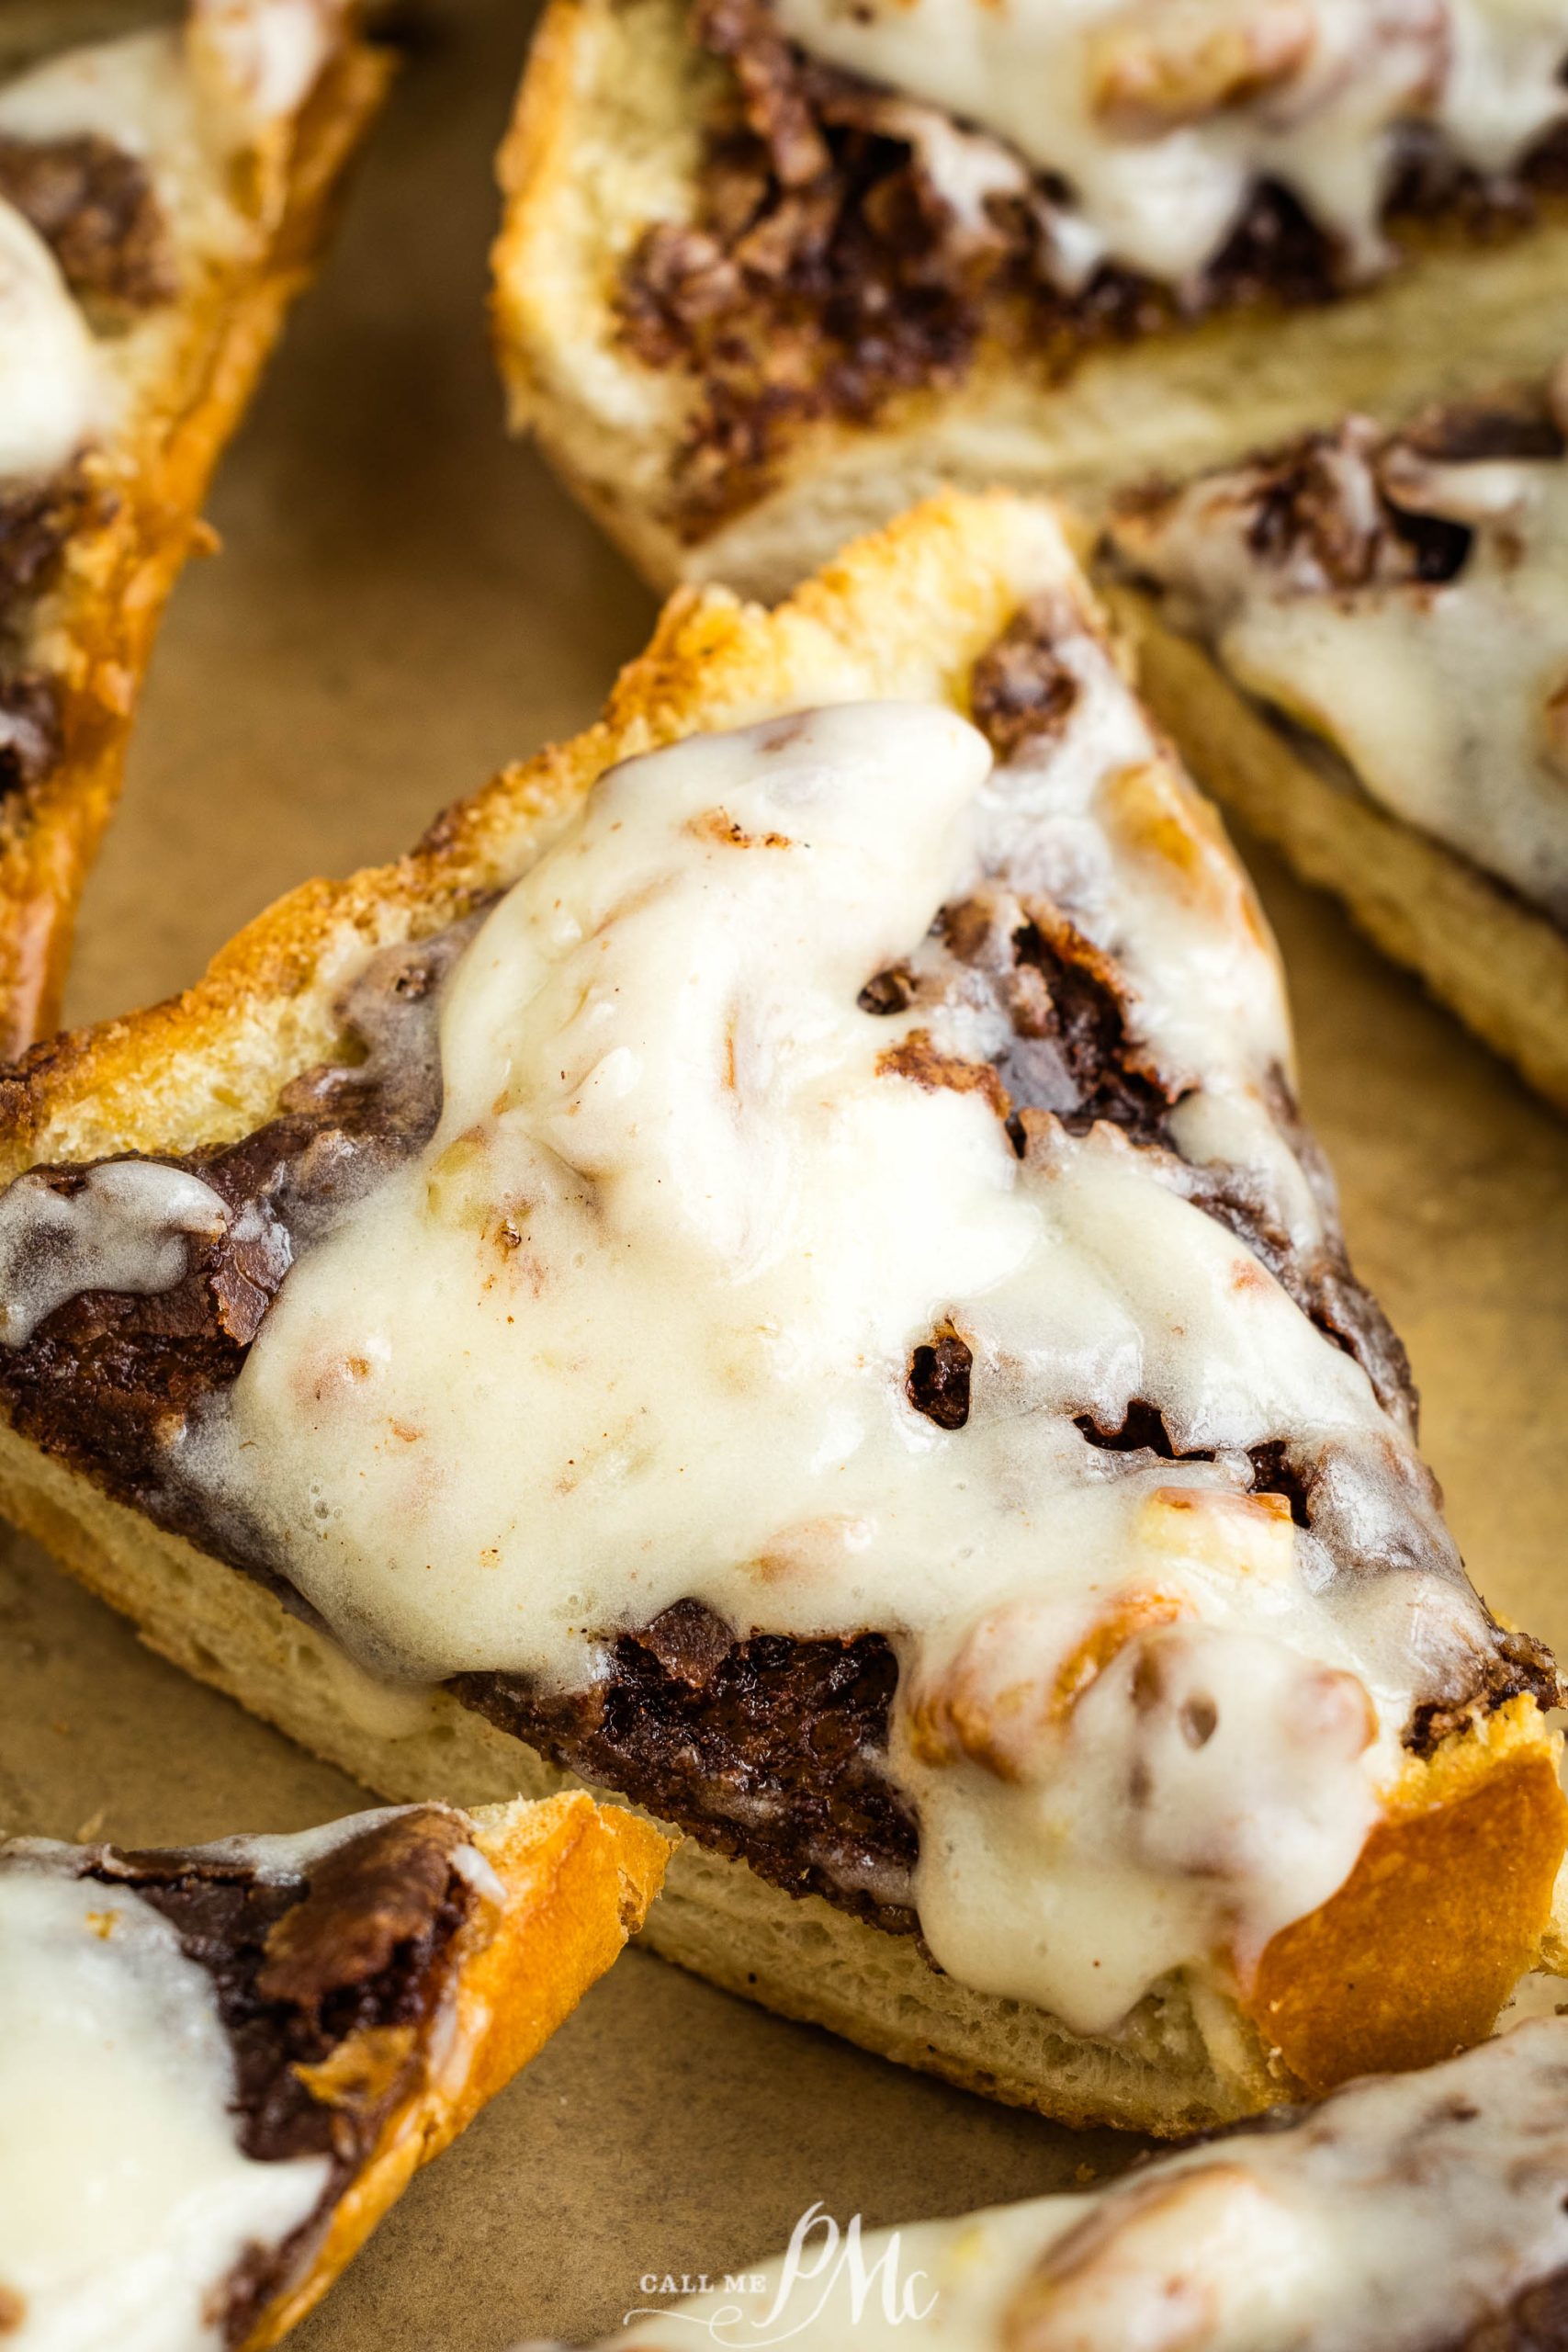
[
  {"x": 607, "y": 142},
  {"x": 337, "y": 2005},
  {"x": 1396, "y": 1966},
  {"x": 230, "y": 178}
]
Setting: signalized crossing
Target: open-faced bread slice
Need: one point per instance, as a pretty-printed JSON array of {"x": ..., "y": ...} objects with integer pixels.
[
  {"x": 220, "y": 2064},
  {"x": 815, "y": 1311},
  {"x": 1361, "y": 641},
  {"x": 1421, "y": 2213},
  {"x": 753, "y": 303},
  {"x": 164, "y": 183}
]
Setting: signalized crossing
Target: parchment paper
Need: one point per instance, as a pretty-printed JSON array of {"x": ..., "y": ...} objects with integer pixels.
[{"x": 403, "y": 602}]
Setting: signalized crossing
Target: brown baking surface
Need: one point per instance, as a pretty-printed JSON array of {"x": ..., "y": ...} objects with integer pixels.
[{"x": 403, "y": 603}]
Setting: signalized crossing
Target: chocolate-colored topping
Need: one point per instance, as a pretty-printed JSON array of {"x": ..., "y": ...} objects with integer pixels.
[
  {"x": 1536, "y": 2321},
  {"x": 1021, "y": 688},
  {"x": 94, "y": 205},
  {"x": 36, "y": 520},
  {"x": 364, "y": 1900},
  {"x": 825, "y": 275},
  {"x": 357, "y": 1946},
  {"x": 30, "y": 729},
  {"x": 938, "y": 1385},
  {"x": 109, "y": 1379},
  {"x": 770, "y": 1748}
]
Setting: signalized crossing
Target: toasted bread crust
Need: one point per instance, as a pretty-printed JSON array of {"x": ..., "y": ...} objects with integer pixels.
[
  {"x": 579, "y": 1879},
  {"x": 120, "y": 570},
  {"x": 904, "y": 614},
  {"x": 606, "y": 140},
  {"x": 1499, "y": 964}
]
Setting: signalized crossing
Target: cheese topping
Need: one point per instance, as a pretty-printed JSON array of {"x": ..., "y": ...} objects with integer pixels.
[
  {"x": 123, "y": 1227},
  {"x": 1447, "y": 699},
  {"x": 638, "y": 1325},
  {"x": 51, "y": 396},
  {"x": 125, "y": 2199},
  {"x": 1163, "y": 115},
  {"x": 1397, "y": 2217}
]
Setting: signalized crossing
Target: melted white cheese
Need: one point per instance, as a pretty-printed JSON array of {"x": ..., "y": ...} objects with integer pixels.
[
  {"x": 1448, "y": 703},
  {"x": 1163, "y": 115},
  {"x": 635, "y": 1326},
  {"x": 53, "y": 397},
  {"x": 125, "y": 2199},
  {"x": 1392, "y": 2219},
  {"x": 124, "y": 1228}
]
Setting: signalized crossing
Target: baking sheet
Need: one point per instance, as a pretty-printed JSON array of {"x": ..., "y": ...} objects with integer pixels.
[{"x": 403, "y": 602}]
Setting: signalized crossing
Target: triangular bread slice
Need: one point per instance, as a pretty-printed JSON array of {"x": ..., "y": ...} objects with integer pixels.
[
  {"x": 1098, "y": 1498},
  {"x": 222, "y": 2063},
  {"x": 1359, "y": 640},
  {"x": 164, "y": 191},
  {"x": 1401, "y": 2216},
  {"x": 755, "y": 470}
]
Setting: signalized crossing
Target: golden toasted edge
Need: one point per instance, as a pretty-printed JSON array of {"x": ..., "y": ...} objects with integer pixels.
[
  {"x": 578, "y": 1881},
  {"x": 1491, "y": 958},
  {"x": 605, "y": 139},
  {"x": 906, "y": 612},
  {"x": 119, "y": 574}
]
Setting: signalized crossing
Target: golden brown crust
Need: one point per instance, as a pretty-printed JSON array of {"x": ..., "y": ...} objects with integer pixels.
[
  {"x": 905, "y": 613},
  {"x": 119, "y": 571},
  {"x": 1409, "y": 1960},
  {"x": 579, "y": 1879}
]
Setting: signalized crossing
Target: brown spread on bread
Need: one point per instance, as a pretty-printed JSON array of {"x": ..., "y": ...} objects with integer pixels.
[
  {"x": 326, "y": 1965},
  {"x": 826, "y": 272},
  {"x": 94, "y": 205}
]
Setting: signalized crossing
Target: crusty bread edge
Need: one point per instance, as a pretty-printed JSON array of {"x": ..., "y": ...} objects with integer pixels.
[
  {"x": 1494, "y": 960},
  {"x": 603, "y": 142},
  {"x": 578, "y": 1881},
  {"x": 119, "y": 575}
]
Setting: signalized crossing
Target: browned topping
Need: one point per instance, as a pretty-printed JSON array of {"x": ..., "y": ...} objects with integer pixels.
[
  {"x": 94, "y": 205},
  {"x": 13, "y": 2310},
  {"x": 938, "y": 1385},
  {"x": 1535, "y": 2321},
  {"x": 769, "y": 1748},
  {"x": 888, "y": 991},
  {"x": 1021, "y": 688},
  {"x": 36, "y": 520},
  {"x": 917, "y": 1058},
  {"x": 31, "y": 732},
  {"x": 825, "y": 275},
  {"x": 365, "y": 1899}
]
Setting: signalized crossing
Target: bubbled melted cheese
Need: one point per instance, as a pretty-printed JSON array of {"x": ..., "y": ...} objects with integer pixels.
[
  {"x": 1447, "y": 702},
  {"x": 126, "y": 2201},
  {"x": 1161, "y": 116},
  {"x": 1396, "y": 2217},
  {"x": 637, "y": 1324}
]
